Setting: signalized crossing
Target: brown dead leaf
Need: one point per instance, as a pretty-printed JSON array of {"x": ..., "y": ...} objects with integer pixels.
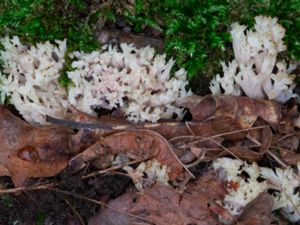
[
  {"x": 232, "y": 113},
  {"x": 106, "y": 125},
  {"x": 137, "y": 145},
  {"x": 290, "y": 115},
  {"x": 84, "y": 139},
  {"x": 290, "y": 141},
  {"x": 190, "y": 153},
  {"x": 245, "y": 109},
  {"x": 261, "y": 137},
  {"x": 162, "y": 205},
  {"x": 258, "y": 212},
  {"x": 232, "y": 118},
  {"x": 200, "y": 107},
  {"x": 290, "y": 157},
  {"x": 241, "y": 152},
  {"x": 266, "y": 140},
  {"x": 106, "y": 36},
  {"x": 28, "y": 151}
]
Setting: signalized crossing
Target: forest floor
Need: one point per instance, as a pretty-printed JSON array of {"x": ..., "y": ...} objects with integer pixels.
[{"x": 78, "y": 196}]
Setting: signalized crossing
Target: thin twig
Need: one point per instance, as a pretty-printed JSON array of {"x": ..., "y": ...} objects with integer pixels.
[
  {"x": 183, "y": 136},
  {"x": 277, "y": 159},
  {"x": 111, "y": 169},
  {"x": 187, "y": 124},
  {"x": 283, "y": 164},
  {"x": 128, "y": 175},
  {"x": 28, "y": 188},
  {"x": 226, "y": 149},
  {"x": 109, "y": 127},
  {"x": 223, "y": 147},
  {"x": 172, "y": 151},
  {"x": 253, "y": 140},
  {"x": 77, "y": 125},
  {"x": 195, "y": 163},
  {"x": 286, "y": 136},
  {"x": 75, "y": 212},
  {"x": 219, "y": 135}
]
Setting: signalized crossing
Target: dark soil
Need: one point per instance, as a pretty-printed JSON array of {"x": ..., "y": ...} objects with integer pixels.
[{"x": 49, "y": 207}]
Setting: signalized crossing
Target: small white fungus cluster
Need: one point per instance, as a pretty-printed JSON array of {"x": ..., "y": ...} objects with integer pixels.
[
  {"x": 137, "y": 81},
  {"x": 148, "y": 173},
  {"x": 248, "y": 183},
  {"x": 285, "y": 182},
  {"x": 30, "y": 78},
  {"x": 244, "y": 189},
  {"x": 254, "y": 70}
]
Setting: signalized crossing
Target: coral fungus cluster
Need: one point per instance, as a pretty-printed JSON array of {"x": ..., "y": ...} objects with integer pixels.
[
  {"x": 137, "y": 81},
  {"x": 254, "y": 70}
]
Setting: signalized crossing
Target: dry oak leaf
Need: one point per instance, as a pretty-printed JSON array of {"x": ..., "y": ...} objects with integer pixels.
[
  {"x": 162, "y": 205},
  {"x": 229, "y": 113},
  {"x": 202, "y": 108},
  {"x": 136, "y": 145},
  {"x": 27, "y": 151}
]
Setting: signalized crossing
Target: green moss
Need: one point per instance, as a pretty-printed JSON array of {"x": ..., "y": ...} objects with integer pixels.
[
  {"x": 42, "y": 20},
  {"x": 64, "y": 80},
  {"x": 196, "y": 32},
  {"x": 40, "y": 218},
  {"x": 7, "y": 201}
]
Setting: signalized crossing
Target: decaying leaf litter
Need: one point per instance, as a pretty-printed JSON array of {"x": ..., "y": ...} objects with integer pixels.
[
  {"x": 218, "y": 130},
  {"x": 190, "y": 171}
]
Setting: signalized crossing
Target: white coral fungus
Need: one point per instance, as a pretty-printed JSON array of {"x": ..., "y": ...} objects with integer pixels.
[
  {"x": 137, "y": 81},
  {"x": 148, "y": 173},
  {"x": 30, "y": 78},
  {"x": 286, "y": 198},
  {"x": 246, "y": 181},
  {"x": 254, "y": 70}
]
